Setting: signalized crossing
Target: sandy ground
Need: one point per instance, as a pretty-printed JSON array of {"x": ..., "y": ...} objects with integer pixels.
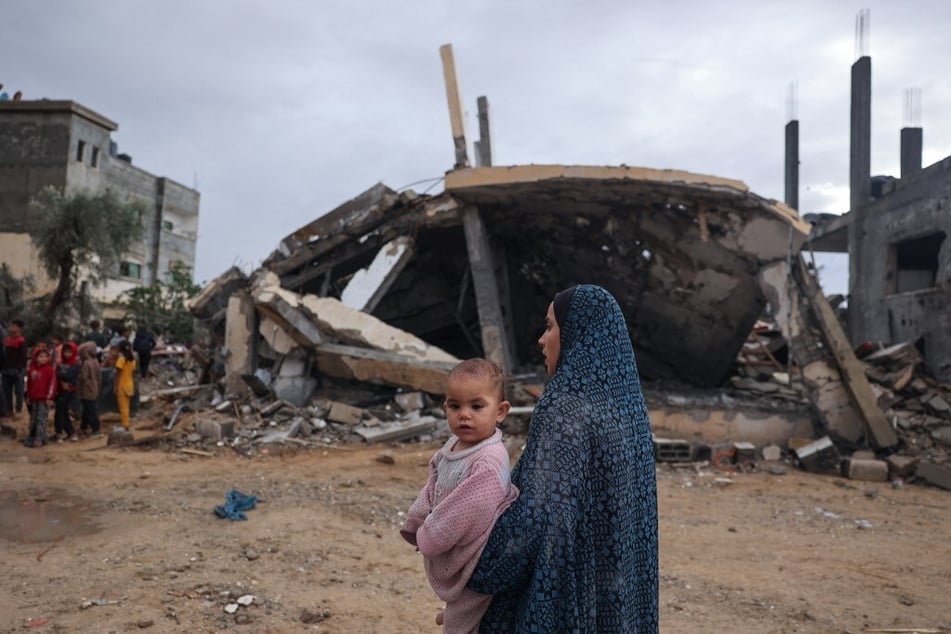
[{"x": 99, "y": 539}]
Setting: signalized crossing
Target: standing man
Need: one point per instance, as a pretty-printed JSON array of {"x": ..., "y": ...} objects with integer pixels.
[
  {"x": 98, "y": 336},
  {"x": 14, "y": 366},
  {"x": 143, "y": 344}
]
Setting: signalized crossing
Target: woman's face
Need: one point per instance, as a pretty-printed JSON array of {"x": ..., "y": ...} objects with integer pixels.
[{"x": 550, "y": 341}]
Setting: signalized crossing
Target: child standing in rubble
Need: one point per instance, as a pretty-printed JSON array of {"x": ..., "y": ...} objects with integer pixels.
[
  {"x": 125, "y": 381},
  {"x": 468, "y": 488},
  {"x": 90, "y": 383},
  {"x": 67, "y": 374},
  {"x": 40, "y": 392}
]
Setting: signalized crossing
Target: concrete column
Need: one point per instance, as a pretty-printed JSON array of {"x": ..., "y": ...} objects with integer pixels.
[
  {"x": 240, "y": 338},
  {"x": 456, "y": 119},
  {"x": 911, "y": 143},
  {"x": 152, "y": 276},
  {"x": 792, "y": 164},
  {"x": 860, "y": 159},
  {"x": 481, "y": 264},
  {"x": 485, "y": 136}
]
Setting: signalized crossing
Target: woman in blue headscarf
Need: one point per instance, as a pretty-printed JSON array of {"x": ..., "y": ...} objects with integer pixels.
[{"x": 577, "y": 552}]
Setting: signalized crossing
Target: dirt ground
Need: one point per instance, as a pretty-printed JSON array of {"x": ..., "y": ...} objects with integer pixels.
[{"x": 100, "y": 539}]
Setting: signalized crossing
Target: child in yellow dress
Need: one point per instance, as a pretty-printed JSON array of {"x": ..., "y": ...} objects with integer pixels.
[{"x": 125, "y": 381}]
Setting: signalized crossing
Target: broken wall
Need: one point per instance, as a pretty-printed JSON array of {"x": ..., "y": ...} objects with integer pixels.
[{"x": 905, "y": 286}]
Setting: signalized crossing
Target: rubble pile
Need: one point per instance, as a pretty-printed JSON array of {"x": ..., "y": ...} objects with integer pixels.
[
  {"x": 202, "y": 420},
  {"x": 918, "y": 406}
]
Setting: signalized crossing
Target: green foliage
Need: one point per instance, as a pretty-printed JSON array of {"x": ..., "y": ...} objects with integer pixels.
[
  {"x": 82, "y": 231},
  {"x": 161, "y": 307},
  {"x": 16, "y": 301}
]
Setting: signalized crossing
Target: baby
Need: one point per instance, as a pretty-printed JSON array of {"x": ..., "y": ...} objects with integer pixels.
[{"x": 468, "y": 489}]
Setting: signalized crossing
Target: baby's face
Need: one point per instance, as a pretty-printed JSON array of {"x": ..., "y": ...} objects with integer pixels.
[{"x": 474, "y": 407}]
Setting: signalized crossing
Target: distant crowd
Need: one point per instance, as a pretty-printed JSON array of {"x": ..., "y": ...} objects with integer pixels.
[{"x": 64, "y": 375}]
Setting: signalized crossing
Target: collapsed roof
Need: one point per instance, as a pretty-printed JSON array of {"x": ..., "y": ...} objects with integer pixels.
[{"x": 681, "y": 252}]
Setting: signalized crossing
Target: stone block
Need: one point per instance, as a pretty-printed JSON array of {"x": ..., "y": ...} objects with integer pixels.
[
  {"x": 772, "y": 453},
  {"x": 901, "y": 466},
  {"x": 744, "y": 452},
  {"x": 210, "y": 429},
  {"x": 672, "y": 450},
  {"x": 227, "y": 428},
  {"x": 410, "y": 401},
  {"x": 936, "y": 474},
  {"x": 343, "y": 413},
  {"x": 866, "y": 470},
  {"x": 296, "y": 390},
  {"x": 819, "y": 456}
]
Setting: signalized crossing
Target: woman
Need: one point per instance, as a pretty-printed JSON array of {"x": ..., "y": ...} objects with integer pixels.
[{"x": 577, "y": 551}]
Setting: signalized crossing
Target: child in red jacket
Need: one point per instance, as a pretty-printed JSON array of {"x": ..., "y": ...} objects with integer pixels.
[{"x": 41, "y": 390}]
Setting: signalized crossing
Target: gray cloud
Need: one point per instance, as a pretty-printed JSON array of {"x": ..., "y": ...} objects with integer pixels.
[{"x": 283, "y": 110}]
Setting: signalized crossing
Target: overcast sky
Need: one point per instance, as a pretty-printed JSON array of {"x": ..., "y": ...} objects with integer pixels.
[{"x": 279, "y": 111}]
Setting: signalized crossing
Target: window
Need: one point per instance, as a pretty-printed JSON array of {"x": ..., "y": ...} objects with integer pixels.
[
  {"x": 130, "y": 269},
  {"x": 94, "y": 160},
  {"x": 167, "y": 225},
  {"x": 80, "y": 151},
  {"x": 914, "y": 263}
]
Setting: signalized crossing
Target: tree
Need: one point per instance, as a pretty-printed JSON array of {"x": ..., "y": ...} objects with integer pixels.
[
  {"x": 16, "y": 302},
  {"x": 83, "y": 231},
  {"x": 161, "y": 307}
]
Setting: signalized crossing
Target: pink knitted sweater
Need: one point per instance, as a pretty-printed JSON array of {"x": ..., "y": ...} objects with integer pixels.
[{"x": 453, "y": 516}]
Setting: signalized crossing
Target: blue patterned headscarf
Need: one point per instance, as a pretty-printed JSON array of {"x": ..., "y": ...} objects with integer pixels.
[{"x": 577, "y": 551}]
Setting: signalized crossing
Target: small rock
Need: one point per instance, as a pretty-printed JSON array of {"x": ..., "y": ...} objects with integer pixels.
[
  {"x": 250, "y": 554},
  {"x": 776, "y": 469},
  {"x": 246, "y": 599},
  {"x": 231, "y": 608},
  {"x": 242, "y": 619},
  {"x": 772, "y": 453},
  {"x": 385, "y": 458},
  {"x": 145, "y": 623},
  {"x": 314, "y": 617}
]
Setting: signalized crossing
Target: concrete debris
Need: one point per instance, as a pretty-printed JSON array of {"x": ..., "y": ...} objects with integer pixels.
[
  {"x": 865, "y": 469},
  {"x": 819, "y": 456},
  {"x": 348, "y": 330}
]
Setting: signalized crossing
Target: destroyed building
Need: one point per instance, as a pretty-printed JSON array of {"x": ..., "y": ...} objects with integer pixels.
[
  {"x": 896, "y": 237},
  {"x": 392, "y": 288}
]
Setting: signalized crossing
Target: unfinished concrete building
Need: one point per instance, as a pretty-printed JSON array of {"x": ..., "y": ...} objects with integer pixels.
[
  {"x": 65, "y": 144},
  {"x": 896, "y": 236}
]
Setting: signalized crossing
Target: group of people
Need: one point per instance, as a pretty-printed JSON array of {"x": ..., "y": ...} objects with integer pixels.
[
  {"x": 566, "y": 541},
  {"x": 61, "y": 375}
]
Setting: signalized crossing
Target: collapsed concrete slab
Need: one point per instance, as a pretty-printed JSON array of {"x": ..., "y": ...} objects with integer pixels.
[
  {"x": 680, "y": 251},
  {"x": 373, "y": 366},
  {"x": 284, "y": 309},
  {"x": 211, "y": 303},
  {"x": 350, "y": 326}
]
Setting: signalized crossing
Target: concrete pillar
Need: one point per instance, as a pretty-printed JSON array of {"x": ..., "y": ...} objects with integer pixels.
[
  {"x": 792, "y": 164},
  {"x": 484, "y": 153},
  {"x": 456, "y": 119},
  {"x": 911, "y": 143},
  {"x": 860, "y": 188},
  {"x": 240, "y": 336},
  {"x": 481, "y": 264}
]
